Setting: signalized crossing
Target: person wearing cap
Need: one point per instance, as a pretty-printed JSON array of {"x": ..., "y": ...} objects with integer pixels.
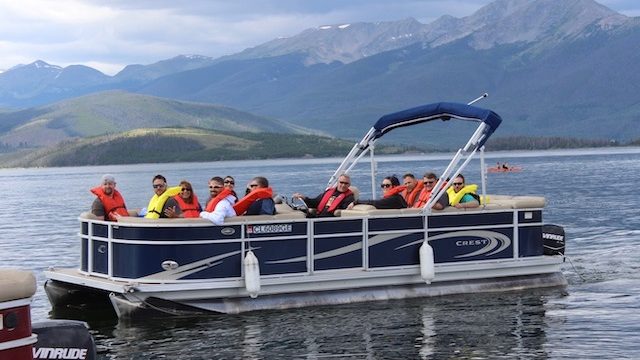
[{"x": 109, "y": 203}]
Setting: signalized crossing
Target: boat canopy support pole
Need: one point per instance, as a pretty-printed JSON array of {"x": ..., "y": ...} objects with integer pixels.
[
  {"x": 483, "y": 176},
  {"x": 453, "y": 170},
  {"x": 357, "y": 151},
  {"x": 373, "y": 172}
]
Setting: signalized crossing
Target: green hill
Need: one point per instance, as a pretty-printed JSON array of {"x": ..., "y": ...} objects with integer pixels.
[
  {"x": 178, "y": 145},
  {"x": 118, "y": 111}
]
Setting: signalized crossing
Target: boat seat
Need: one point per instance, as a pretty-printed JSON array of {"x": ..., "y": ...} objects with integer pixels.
[
  {"x": 496, "y": 202},
  {"x": 16, "y": 284},
  {"x": 89, "y": 215},
  {"x": 529, "y": 202},
  {"x": 515, "y": 202}
]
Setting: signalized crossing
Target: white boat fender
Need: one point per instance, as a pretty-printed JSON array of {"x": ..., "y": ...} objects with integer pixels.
[
  {"x": 427, "y": 266},
  {"x": 251, "y": 274}
]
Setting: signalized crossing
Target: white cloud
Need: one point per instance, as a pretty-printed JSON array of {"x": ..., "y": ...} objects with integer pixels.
[{"x": 109, "y": 34}]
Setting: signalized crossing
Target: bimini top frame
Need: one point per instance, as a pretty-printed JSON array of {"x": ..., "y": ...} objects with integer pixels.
[{"x": 487, "y": 119}]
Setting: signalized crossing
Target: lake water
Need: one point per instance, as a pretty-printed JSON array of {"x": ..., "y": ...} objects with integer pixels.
[{"x": 592, "y": 193}]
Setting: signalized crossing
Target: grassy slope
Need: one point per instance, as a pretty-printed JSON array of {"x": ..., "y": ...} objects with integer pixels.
[
  {"x": 116, "y": 111},
  {"x": 175, "y": 145}
]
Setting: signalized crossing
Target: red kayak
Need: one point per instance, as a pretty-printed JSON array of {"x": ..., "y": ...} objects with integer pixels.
[{"x": 498, "y": 169}]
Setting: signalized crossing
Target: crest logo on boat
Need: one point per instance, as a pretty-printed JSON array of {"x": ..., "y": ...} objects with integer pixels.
[
  {"x": 228, "y": 231},
  {"x": 269, "y": 229}
]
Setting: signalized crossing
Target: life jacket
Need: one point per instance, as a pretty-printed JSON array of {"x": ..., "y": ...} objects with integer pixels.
[
  {"x": 189, "y": 210},
  {"x": 112, "y": 204},
  {"x": 395, "y": 190},
  {"x": 455, "y": 197},
  {"x": 243, "y": 204},
  {"x": 425, "y": 194},
  {"x": 157, "y": 202},
  {"x": 411, "y": 197},
  {"x": 211, "y": 205},
  {"x": 336, "y": 201}
]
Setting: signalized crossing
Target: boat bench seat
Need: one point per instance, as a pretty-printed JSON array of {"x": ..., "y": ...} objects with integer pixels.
[
  {"x": 283, "y": 212},
  {"x": 496, "y": 202},
  {"x": 515, "y": 202},
  {"x": 16, "y": 284}
]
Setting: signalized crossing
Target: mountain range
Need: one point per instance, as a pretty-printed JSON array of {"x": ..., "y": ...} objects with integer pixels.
[{"x": 552, "y": 68}]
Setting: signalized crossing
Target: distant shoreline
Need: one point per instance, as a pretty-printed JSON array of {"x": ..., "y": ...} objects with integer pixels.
[{"x": 409, "y": 156}]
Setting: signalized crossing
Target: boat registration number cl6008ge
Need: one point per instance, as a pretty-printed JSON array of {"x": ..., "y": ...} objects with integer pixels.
[{"x": 269, "y": 229}]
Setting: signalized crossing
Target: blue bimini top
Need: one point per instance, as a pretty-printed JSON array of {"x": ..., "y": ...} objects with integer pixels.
[{"x": 443, "y": 111}]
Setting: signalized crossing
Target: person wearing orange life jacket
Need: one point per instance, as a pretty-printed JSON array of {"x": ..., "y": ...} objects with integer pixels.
[
  {"x": 391, "y": 197},
  {"x": 259, "y": 201},
  {"x": 332, "y": 199},
  {"x": 429, "y": 180},
  {"x": 413, "y": 187},
  {"x": 220, "y": 204},
  {"x": 230, "y": 183},
  {"x": 187, "y": 202},
  {"x": 109, "y": 203}
]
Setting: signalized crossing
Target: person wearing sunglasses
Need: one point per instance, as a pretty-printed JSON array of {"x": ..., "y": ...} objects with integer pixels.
[
  {"x": 463, "y": 196},
  {"x": 230, "y": 183},
  {"x": 391, "y": 195},
  {"x": 187, "y": 201},
  {"x": 162, "y": 199},
  {"x": 220, "y": 204},
  {"x": 259, "y": 200},
  {"x": 429, "y": 180},
  {"x": 332, "y": 199}
]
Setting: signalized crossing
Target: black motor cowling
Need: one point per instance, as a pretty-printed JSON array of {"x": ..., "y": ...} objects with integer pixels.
[
  {"x": 553, "y": 239},
  {"x": 63, "y": 339}
]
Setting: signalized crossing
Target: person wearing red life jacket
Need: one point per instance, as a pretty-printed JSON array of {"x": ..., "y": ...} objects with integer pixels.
[
  {"x": 187, "y": 202},
  {"x": 109, "y": 203},
  {"x": 220, "y": 204},
  {"x": 413, "y": 187},
  {"x": 391, "y": 197},
  {"x": 259, "y": 200},
  {"x": 332, "y": 199},
  {"x": 230, "y": 183},
  {"x": 429, "y": 180}
]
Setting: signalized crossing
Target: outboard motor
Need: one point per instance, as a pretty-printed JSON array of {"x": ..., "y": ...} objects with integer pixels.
[
  {"x": 63, "y": 339},
  {"x": 553, "y": 239}
]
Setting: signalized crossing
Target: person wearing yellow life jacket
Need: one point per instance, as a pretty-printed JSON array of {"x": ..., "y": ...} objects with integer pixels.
[
  {"x": 162, "y": 200},
  {"x": 259, "y": 201},
  {"x": 463, "y": 196},
  {"x": 332, "y": 199},
  {"x": 391, "y": 197},
  {"x": 412, "y": 190},
  {"x": 220, "y": 204},
  {"x": 187, "y": 202},
  {"x": 429, "y": 180},
  {"x": 109, "y": 203}
]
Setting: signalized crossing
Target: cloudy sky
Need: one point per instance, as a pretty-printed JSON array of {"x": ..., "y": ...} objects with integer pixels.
[{"x": 109, "y": 34}]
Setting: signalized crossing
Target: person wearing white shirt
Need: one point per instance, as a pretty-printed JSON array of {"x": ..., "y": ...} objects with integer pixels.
[{"x": 220, "y": 204}]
